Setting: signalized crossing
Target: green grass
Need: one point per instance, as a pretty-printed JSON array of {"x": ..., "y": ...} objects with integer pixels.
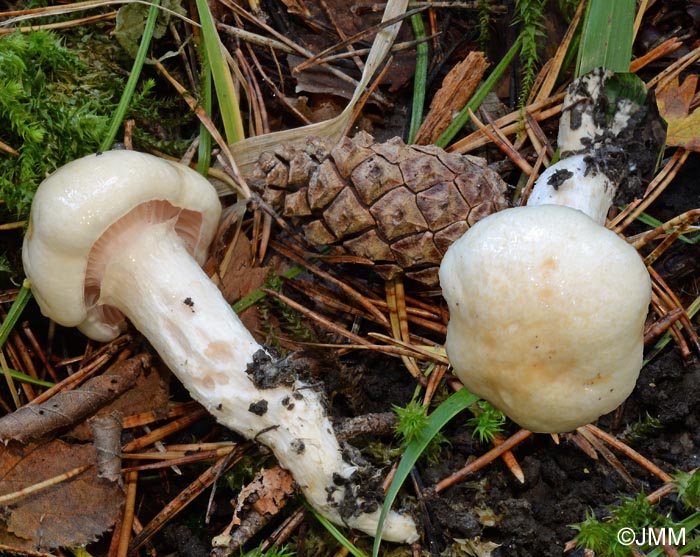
[
  {"x": 134, "y": 77},
  {"x": 607, "y": 36},
  {"x": 459, "y": 401}
]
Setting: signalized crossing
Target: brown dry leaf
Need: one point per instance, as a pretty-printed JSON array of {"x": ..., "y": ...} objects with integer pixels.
[
  {"x": 317, "y": 110},
  {"x": 318, "y": 79},
  {"x": 257, "y": 503},
  {"x": 674, "y": 103},
  {"x": 267, "y": 493},
  {"x": 74, "y": 512},
  {"x": 242, "y": 277},
  {"x": 107, "y": 432}
]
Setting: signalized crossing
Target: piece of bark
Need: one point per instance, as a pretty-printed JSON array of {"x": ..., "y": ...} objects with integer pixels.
[
  {"x": 70, "y": 407},
  {"x": 457, "y": 87},
  {"x": 107, "y": 434}
]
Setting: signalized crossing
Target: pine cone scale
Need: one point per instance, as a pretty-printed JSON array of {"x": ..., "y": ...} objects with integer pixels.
[
  {"x": 397, "y": 214},
  {"x": 346, "y": 215}
]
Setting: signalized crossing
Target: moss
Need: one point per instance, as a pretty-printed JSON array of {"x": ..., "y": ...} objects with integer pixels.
[
  {"x": 48, "y": 115},
  {"x": 57, "y": 97}
]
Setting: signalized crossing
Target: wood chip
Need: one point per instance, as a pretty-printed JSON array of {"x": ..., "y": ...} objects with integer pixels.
[{"x": 457, "y": 87}]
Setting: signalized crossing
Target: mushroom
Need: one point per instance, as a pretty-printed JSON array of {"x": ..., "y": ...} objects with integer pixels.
[
  {"x": 547, "y": 313},
  {"x": 122, "y": 234},
  {"x": 547, "y": 306}
]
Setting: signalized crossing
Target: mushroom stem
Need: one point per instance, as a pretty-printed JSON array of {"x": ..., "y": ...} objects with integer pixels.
[
  {"x": 577, "y": 183},
  {"x": 605, "y": 140},
  {"x": 157, "y": 284}
]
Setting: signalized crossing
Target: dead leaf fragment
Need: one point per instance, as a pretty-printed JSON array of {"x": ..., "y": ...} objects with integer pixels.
[
  {"x": 257, "y": 503},
  {"x": 267, "y": 493},
  {"x": 106, "y": 432},
  {"x": 73, "y": 512},
  {"x": 674, "y": 102}
]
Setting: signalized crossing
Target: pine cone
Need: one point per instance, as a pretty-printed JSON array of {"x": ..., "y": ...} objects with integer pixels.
[{"x": 399, "y": 205}]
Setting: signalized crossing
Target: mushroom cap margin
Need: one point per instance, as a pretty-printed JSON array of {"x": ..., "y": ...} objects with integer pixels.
[{"x": 79, "y": 201}]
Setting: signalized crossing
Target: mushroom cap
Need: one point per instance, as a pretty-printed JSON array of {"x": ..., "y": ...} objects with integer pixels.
[
  {"x": 75, "y": 205},
  {"x": 547, "y": 313}
]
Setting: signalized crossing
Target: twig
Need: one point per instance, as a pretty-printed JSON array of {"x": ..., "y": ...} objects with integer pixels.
[
  {"x": 350, "y": 292},
  {"x": 356, "y": 37},
  {"x": 164, "y": 431},
  {"x": 185, "y": 497},
  {"x": 10, "y": 498},
  {"x": 483, "y": 460},
  {"x": 131, "y": 484},
  {"x": 317, "y": 317},
  {"x": 72, "y": 381},
  {"x": 629, "y": 452},
  {"x": 396, "y": 302}
]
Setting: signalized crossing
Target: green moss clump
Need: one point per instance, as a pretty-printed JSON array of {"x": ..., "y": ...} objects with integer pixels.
[
  {"x": 47, "y": 113},
  {"x": 58, "y": 94}
]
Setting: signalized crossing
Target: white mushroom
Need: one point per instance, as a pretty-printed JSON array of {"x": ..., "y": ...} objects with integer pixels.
[
  {"x": 575, "y": 182},
  {"x": 123, "y": 233},
  {"x": 547, "y": 313},
  {"x": 547, "y": 306}
]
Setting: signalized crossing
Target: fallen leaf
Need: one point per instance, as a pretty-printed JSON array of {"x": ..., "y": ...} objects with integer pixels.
[
  {"x": 107, "y": 432},
  {"x": 266, "y": 494},
  {"x": 131, "y": 22},
  {"x": 257, "y": 503},
  {"x": 243, "y": 276},
  {"x": 674, "y": 103},
  {"x": 474, "y": 547},
  {"x": 70, "y": 513}
]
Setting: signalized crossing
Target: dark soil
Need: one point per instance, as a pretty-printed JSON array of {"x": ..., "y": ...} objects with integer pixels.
[{"x": 562, "y": 483}]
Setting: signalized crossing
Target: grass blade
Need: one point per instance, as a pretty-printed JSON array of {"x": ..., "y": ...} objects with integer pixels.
[
  {"x": 420, "y": 76},
  {"x": 607, "y": 36},
  {"x": 478, "y": 97},
  {"x": 13, "y": 315},
  {"x": 134, "y": 76},
  {"x": 338, "y": 535},
  {"x": 223, "y": 81},
  {"x": 204, "y": 149},
  {"x": 16, "y": 310},
  {"x": 436, "y": 421}
]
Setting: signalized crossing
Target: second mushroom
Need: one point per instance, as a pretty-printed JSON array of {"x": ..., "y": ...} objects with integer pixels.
[{"x": 547, "y": 305}]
